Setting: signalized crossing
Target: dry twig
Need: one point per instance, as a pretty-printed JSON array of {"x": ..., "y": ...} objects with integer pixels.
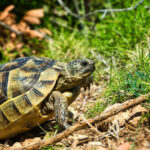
[
  {"x": 10, "y": 28},
  {"x": 90, "y": 125},
  {"x": 114, "y": 10},
  {"x": 104, "y": 11},
  {"x": 67, "y": 9}
]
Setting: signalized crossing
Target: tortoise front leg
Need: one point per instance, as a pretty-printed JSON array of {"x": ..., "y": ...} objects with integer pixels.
[
  {"x": 61, "y": 103},
  {"x": 60, "y": 109}
]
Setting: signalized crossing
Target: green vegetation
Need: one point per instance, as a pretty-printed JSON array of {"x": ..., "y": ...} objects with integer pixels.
[
  {"x": 129, "y": 81},
  {"x": 122, "y": 39}
]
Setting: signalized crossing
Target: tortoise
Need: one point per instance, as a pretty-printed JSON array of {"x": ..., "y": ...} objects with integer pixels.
[{"x": 34, "y": 89}]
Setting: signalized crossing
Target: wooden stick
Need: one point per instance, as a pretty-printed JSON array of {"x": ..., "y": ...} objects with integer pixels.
[
  {"x": 90, "y": 125},
  {"x": 10, "y": 28},
  {"x": 105, "y": 115}
]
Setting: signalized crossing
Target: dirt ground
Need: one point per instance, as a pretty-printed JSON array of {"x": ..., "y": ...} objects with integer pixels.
[{"x": 120, "y": 132}]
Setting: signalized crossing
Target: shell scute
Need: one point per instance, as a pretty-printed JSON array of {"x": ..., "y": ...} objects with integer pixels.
[
  {"x": 3, "y": 120},
  {"x": 10, "y": 111},
  {"x": 23, "y": 104},
  {"x": 20, "y": 82},
  {"x": 18, "y": 63}
]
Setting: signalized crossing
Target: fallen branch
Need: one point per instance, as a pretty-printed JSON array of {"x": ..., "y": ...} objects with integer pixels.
[
  {"x": 61, "y": 3},
  {"x": 10, "y": 28},
  {"x": 103, "y": 116},
  {"x": 105, "y": 11},
  {"x": 18, "y": 33}
]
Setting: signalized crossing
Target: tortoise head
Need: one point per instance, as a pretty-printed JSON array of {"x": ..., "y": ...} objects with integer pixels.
[
  {"x": 76, "y": 73},
  {"x": 81, "y": 68}
]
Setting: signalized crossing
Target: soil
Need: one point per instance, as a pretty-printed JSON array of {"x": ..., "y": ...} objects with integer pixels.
[{"x": 125, "y": 137}]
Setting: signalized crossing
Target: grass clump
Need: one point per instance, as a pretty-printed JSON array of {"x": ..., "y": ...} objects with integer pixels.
[
  {"x": 129, "y": 81},
  {"x": 134, "y": 79},
  {"x": 97, "y": 109},
  {"x": 66, "y": 46}
]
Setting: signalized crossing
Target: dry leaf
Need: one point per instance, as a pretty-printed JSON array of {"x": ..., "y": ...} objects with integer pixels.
[
  {"x": 14, "y": 26},
  {"x": 3, "y": 15},
  {"x": 13, "y": 16},
  {"x": 13, "y": 35},
  {"x": 31, "y": 20},
  {"x": 31, "y": 17},
  {"x": 9, "y": 21},
  {"x": 45, "y": 31},
  {"x": 9, "y": 8},
  {"x": 34, "y": 34},
  {"x": 23, "y": 26},
  {"x": 19, "y": 46},
  {"x": 38, "y": 13},
  {"x": 34, "y": 52},
  {"x": 9, "y": 45}
]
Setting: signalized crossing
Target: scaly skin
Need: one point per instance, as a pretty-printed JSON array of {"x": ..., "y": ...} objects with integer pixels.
[{"x": 59, "y": 102}]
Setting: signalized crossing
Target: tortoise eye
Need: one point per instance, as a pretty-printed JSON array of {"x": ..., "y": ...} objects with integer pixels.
[{"x": 84, "y": 63}]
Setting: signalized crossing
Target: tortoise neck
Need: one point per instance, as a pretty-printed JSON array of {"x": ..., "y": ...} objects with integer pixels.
[{"x": 67, "y": 82}]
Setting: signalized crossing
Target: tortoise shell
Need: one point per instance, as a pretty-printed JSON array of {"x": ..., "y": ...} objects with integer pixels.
[{"x": 24, "y": 84}]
